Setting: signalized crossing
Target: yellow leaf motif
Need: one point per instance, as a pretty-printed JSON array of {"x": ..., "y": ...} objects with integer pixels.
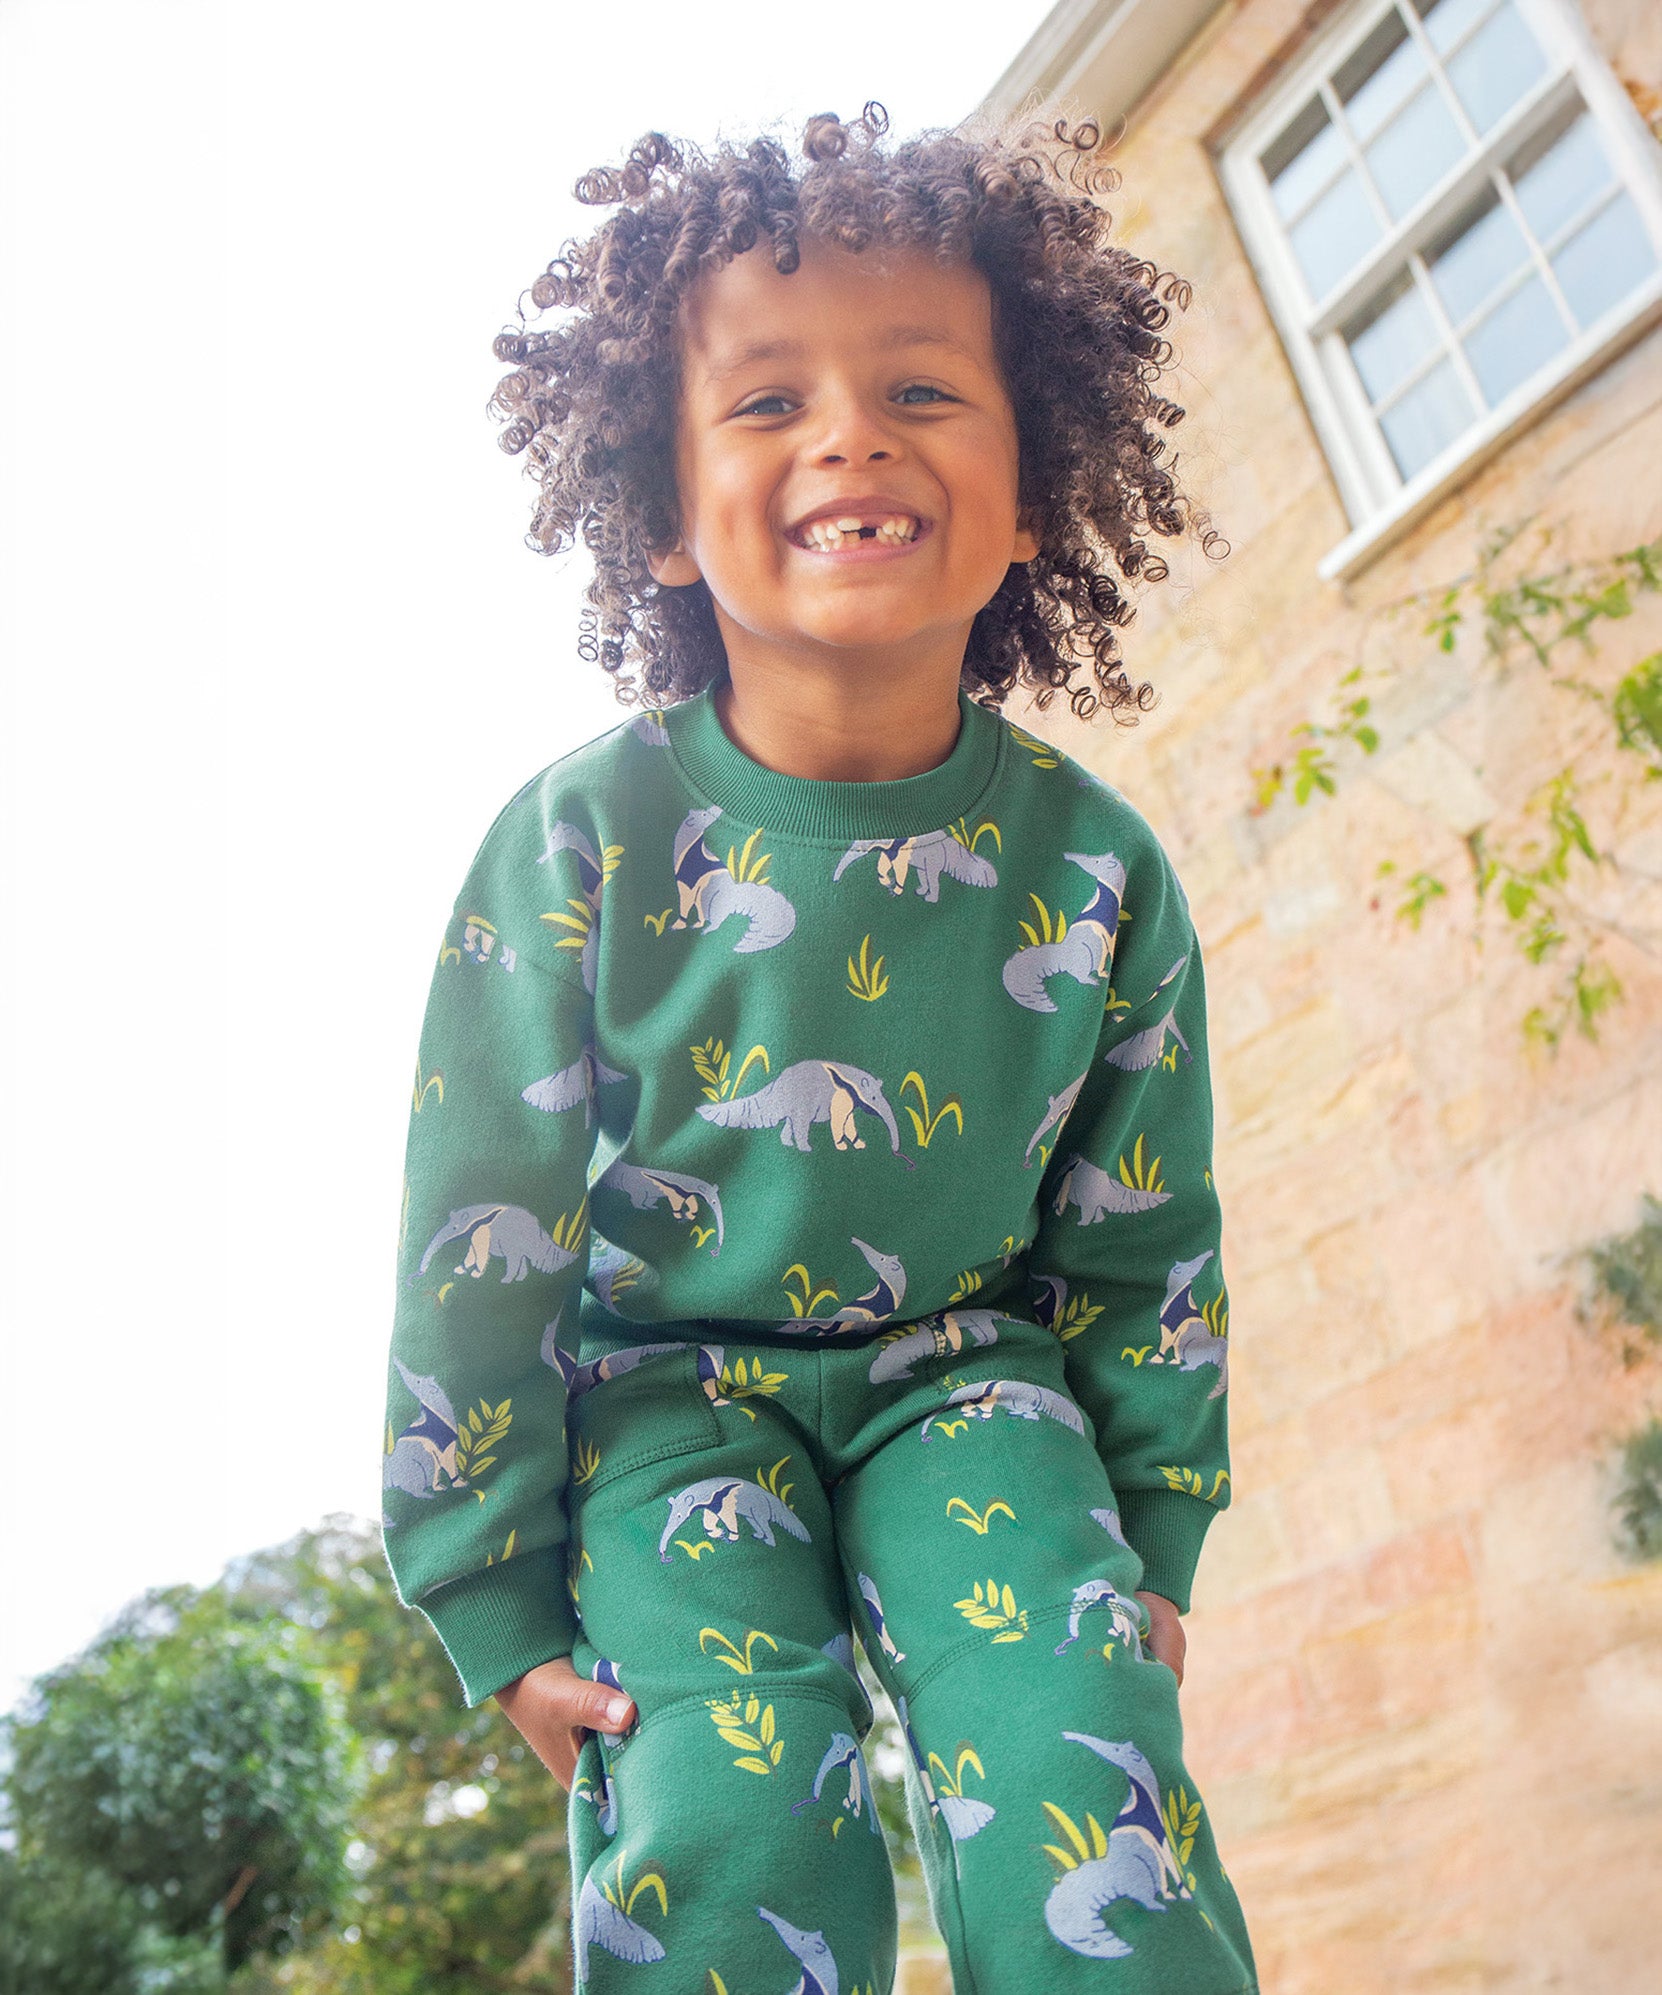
[
  {"x": 739, "y": 1382},
  {"x": 953, "y": 1782},
  {"x": 733, "y": 1659},
  {"x": 865, "y": 978},
  {"x": 1139, "y": 1176},
  {"x": 1182, "y": 1819},
  {"x": 978, "y": 1521},
  {"x": 585, "y": 1460},
  {"x": 1078, "y": 1313},
  {"x": 749, "y": 1725},
  {"x": 1044, "y": 756},
  {"x": 744, "y": 867},
  {"x": 477, "y": 1432},
  {"x": 568, "y": 1233},
  {"x": 807, "y": 1302},
  {"x": 925, "y": 1124},
  {"x": 994, "y": 1608}
]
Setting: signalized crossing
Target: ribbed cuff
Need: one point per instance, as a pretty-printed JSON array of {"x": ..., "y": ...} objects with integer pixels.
[
  {"x": 498, "y": 1623},
  {"x": 1165, "y": 1529}
]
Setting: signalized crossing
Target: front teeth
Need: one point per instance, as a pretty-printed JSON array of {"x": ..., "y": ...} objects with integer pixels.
[{"x": 826, "y": 536}]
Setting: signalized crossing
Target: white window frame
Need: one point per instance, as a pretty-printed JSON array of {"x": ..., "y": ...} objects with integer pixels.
[{"x": 1380, "y": 504}]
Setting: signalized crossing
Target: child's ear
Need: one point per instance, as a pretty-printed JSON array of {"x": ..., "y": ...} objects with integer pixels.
[
  {"x": 673, "y": 567},
  {"x": 1027, "y": 538}
]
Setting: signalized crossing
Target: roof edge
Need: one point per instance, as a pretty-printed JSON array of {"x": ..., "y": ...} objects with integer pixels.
[{"x": 1133, "y": 41}]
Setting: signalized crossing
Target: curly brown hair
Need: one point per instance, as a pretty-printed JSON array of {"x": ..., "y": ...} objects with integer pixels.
[{"x": 1077, "y": 325}]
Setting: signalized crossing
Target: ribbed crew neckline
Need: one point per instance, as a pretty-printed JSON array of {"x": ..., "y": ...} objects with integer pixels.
[{"x": 807, "y": 807}]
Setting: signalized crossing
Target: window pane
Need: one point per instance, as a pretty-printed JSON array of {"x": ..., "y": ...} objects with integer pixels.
[
  {"x": 1496, "y": 67},
  {"x": 1380, "y": 76},
  {"x": 1431, "y": 415},
  {"x": 1447, "y": 20},
  {"x": 1414, "y": 151},
  {"x": 1516, "y": 337},
  {"x": 1335, "y": 235},
  {"x": 1564, "y": 179},
  {"x": 1392, "y": 344},
  {"x": 1304, "y": 158},
  {"x": 1486, "y": 247},
  {"x": 1604, "y": 261}
]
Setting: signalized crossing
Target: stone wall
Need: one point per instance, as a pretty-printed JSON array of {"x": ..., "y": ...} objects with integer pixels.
[{"x": 1424, "y": 1690}]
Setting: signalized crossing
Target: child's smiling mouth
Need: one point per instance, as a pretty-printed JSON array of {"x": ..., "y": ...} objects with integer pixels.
[{"x": 867, "y": 531}]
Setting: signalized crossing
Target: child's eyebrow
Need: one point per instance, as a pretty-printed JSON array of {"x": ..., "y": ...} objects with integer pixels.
[{"x": 888, "y": 340}]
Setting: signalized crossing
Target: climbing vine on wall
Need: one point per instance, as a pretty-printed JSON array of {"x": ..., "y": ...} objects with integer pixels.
[
  {"x": 1626, "y": 1294},
  {"x": 1551, "y": 620}
]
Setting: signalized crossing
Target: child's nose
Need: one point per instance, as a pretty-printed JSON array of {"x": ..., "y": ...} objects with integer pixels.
[{"x": 853, "y": 433}]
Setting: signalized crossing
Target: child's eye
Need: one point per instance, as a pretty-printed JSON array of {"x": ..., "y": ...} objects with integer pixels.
[
  {"x": 923, "y": 388},
  {"x": 759, "y": 407}
]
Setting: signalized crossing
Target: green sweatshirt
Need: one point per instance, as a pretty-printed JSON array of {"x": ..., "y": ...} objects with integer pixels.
[{"x": 715, "y": 1053}]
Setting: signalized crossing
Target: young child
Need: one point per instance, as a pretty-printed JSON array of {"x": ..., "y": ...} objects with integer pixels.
[{"x": 812, "y": 1127}]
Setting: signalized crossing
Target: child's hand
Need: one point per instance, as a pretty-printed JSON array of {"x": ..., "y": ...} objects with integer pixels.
[
  {"x": 552, "y": 1706},
  {"x": 1166, "y": 1641}
]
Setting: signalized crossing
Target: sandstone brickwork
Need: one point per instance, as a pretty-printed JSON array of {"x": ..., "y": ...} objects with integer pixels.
[{"x": 1424, "y": 1697}]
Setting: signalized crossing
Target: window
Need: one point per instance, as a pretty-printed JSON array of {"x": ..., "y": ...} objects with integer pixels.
[{"x": 1456, "y": 215}]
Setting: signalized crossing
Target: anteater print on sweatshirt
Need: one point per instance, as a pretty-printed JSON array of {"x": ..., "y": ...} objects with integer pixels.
[{"x": 881, "y": 1063}]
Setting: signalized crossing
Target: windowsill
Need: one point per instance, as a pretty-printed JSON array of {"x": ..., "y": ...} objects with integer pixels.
[{"x": 1524, "y": 407}]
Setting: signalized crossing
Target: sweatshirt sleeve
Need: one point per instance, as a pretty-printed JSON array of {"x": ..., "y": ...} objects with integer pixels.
[
  {"x": 1126, "y": 1264},
  {"x": 492, "y": 1253}
]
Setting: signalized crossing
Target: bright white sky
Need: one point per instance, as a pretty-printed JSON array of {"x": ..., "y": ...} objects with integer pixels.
[{"x": 276, "y": 654}]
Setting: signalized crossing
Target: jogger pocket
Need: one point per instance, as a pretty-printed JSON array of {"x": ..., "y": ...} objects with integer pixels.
[{"x": 657, "y": 1410}]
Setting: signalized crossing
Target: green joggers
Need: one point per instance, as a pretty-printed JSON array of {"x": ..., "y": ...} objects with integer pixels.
[{"x": 732, "y": 1508}]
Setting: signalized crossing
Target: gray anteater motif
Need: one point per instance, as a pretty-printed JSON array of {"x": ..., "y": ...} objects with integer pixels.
[
  {"x": 423, "y": 1458},
  {"x": 881, "y": 1301},
  {"x": 1087, "y": 948},
  {"x": 600, "y": 1923},
  {"x": 1136, "y": 1865},
  {"x": 709, "y": 893},
  {"x": 508, "y": 1230},
  {"x": 819, "y": 1970},
  {"x": 611, "y": 1270},
  {"x": 1096, "y": 1191},
  {"x": 930, "y": 854},
  {"x": 1127, "y": 1616},
  {"x": 1186, "y": 1338},
  {"x": 572, "y": 1084},
  {"x": 591, "y": 872},
  {"x": 949, "y": 1330},
  {"x": 647, "y": 1188},
  {"x": 844, "y": 1752},
  {"x": 1056, "y": 1114},
  {"x": 963, "y": 1814},
  {"x": 1142, "y": 1049},
  {"x": 874, "y": 1611},
  {"x": 807, "y": 1092},
  {"x": 1016, "y": 1396},
  {"x": 724, "y": 1499}
]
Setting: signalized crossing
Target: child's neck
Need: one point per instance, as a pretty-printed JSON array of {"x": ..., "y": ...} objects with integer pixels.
[{"x": 843, "y": 729}]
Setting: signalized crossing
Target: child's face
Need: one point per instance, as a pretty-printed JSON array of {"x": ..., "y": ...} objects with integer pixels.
[{"x": 868, "y": 384}]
